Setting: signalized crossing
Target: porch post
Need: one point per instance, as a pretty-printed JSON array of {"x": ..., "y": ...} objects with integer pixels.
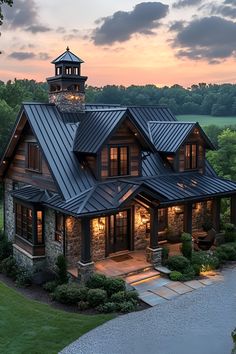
[
  {"x": 188, "y": 216},
  {"x": 85, "y": 265},
  {"x": 233, "y": 210},
  {"x": 216, "y": 206},
  {"x": 153, "y": 252}
]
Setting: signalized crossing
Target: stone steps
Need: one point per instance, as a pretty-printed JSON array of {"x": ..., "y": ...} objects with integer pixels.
[{"x": 144, "y": 275}]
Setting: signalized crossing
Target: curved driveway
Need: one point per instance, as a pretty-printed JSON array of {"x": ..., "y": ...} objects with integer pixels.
[{"x": 196, "y": 323}]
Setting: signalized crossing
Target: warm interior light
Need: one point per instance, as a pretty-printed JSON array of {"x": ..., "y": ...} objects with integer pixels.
[
  {"x": 178, "y": 209},
  {"x": 144, "y": 219},
  {"x": 101, "y": 224}
]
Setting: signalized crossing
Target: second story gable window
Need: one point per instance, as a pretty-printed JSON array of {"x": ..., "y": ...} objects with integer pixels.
[
  {"x": 34, "y": 158},
  {"x": 119, "y": 161},
  {"x": 190, "y": 156}
]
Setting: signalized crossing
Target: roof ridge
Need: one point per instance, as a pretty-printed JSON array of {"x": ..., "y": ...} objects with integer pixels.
[{"x": 169, "y": 122}]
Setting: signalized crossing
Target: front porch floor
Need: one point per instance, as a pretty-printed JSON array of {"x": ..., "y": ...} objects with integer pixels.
[{"x": 112, "y": 267}]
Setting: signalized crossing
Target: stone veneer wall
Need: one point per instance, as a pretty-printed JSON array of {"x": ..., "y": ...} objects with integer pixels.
[
  {"x": 9, "y": 214},
  {"x": 27, "y": 261},
  {"x": 73, "y": 241},
  {"x": 98, "y": 236},
  {"x": 52, "y": 247},
  {"x": 175, "y": 224},
  {"x": 141, "y": 236}
]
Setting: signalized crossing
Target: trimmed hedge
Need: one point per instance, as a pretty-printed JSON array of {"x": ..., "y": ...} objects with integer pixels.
[
  {"x": 96, "y": 297},
  {"x": 69, "y": 293},
  {"x": 175, "y": 276},
  {"x": 179, "y": 263}
]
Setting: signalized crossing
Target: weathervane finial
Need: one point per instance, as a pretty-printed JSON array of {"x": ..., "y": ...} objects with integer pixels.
[{"x": 67, "y": 48}]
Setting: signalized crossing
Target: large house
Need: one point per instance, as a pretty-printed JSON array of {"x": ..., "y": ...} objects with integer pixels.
[{"x": 94, "y": 181}]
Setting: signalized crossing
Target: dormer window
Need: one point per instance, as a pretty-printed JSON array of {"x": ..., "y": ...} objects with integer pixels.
[
  {"x": 68, "y": 70},
  {"x": 190, "y": 156},
  {"x": 119, "y": 161},
  {"x": 34, "y": 158}
]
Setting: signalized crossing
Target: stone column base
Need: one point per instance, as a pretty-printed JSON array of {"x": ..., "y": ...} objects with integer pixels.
[
  {"x": 85, "y": 270},
  {"x": 154, "y": 256}
]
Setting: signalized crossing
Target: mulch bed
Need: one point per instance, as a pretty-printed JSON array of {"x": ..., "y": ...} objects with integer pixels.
[{"x": 37, "y": 293}]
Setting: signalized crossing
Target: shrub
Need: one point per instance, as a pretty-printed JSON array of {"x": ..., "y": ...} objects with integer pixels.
[
  {"x": 83, "y": 305},
  {"x": 188, "y": 274},
  {"x": 96, "y": 297},
  {"x": 23, "y": 278},
  {"x": 123, "y": 296},
  {"x": 179, "y": 263},
  {"x": 68, "y": 293},
  {"x": 127, "y": 306},
  {"x": 132, "y": 296},
  {"x": 108, "y": 307},
  {"x": 50, "y": 286},
  {"x": 165, "y": 254},
  {"x": 175, "y": 276},
  {"x": 207, "y": 225},
  {"x": 62, "y": 269},
  {"x": 5, "y": 247},
  {"x": 119, "y": 297},
  {"x": 9, "y": 267},
  {"x": 186, "y": 247},
  {"x": 229, "y": 227},
  {"x": 204, "y": 261},
  {"x": 230, "y": 236},
  {"x": 114, "y": 285},
  {"x": 96, "y": 281},
  {"x": 226, "y": 252}
]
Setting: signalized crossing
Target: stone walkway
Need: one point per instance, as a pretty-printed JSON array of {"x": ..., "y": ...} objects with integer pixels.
[{"x": 157, "y": 290}]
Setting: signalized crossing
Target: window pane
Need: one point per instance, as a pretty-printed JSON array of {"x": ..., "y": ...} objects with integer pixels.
[
  {"x": 194, "y": 156},
  {"x": 124, "y": 161},
  {"x": 34, "y": 157},
  {"x": 40, "y": 227},
  {"x": 188, "y": 156},
  {"x": 24, "y": 222},
  {"x": 113, "y": 161}
]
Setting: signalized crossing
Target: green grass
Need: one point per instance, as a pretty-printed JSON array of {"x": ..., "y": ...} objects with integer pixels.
[
  {"x": 205, "y": 120},
  {"x": 30, "y": 327}
]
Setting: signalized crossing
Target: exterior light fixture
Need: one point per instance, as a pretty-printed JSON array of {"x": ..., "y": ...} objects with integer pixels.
[
  {"x": 101, "y": 224},
  {"x": 178, "y": 210},
  {"x": 144, "y": 219}
]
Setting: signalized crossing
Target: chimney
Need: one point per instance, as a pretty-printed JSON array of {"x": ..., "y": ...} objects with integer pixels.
[{"x": 67, "y": 87}]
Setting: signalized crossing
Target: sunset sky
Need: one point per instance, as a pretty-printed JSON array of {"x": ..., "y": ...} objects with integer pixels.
[{"x": 122, "y": 41}]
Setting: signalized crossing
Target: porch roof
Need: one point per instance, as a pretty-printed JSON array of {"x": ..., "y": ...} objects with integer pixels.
[
  {"x": 31, "y": 194},
  {"x": 189, "y": 186}
]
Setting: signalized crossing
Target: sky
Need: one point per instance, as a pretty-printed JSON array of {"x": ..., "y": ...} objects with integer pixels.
[{"x": 122, "y": 42}]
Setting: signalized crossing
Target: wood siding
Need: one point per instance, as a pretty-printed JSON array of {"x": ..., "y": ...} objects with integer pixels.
[
  {"x": 194, "y": 138},
  {"x": 17, "y": 170},
  {"x": 123, "y": 136}
]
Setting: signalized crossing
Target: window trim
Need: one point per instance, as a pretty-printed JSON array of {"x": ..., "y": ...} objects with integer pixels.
[
  {"x": 190, "y": 157},
  {"x": 119, "y": 146},
  {"x": 29, "y": 168}
]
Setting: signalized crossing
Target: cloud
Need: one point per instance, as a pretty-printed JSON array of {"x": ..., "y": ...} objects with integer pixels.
[
  {"x": 23, "y": 15},
  {"x": 22, "y": 55},
  {"x": 184, "y": 3},
  {"x": 210, "y": 38},
  {"x": 224, "y": 10},
  {"x": 176, "y": 26},
  {"x": 230, "y": 2},
  {"x": 119, "y": 27}
]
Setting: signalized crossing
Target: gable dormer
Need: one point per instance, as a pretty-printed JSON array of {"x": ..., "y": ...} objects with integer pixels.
[
  {"x": 182, "y": 144},
  {"x": 111, "y": 144}
]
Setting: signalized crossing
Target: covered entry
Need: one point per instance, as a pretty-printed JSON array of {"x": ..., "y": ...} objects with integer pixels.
[{"x": 118, "y": 232}]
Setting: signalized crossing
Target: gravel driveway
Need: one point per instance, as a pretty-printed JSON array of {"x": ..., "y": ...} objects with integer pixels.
[{"x": 196, "y": 323}]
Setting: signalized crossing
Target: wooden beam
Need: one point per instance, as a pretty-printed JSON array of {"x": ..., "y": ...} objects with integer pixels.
[
  {"x": 85, "y": 240},
  {"x": 188, "y": 218},
  {"x": 153, "y": 228},
  {"x": 216, "y": 206},
  {"x": 233, "y": 210}
]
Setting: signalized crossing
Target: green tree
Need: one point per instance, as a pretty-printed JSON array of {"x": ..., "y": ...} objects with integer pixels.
[
  {"x": 8, "y": 2},
  {"x": 224, "y": 159}
]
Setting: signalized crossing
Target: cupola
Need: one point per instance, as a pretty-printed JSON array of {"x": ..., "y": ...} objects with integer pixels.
[{"x": 67, "y": 87}]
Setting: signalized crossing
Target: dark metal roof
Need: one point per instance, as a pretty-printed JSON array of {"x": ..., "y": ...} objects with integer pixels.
[
  {"x": 56, "y": 137},
  {"x": 153, "y": 165},
  {"x": 31, "y": 194},
  {"x": 93, "y": 106},
  {"x": 169, "y": 136},
  {"x": 209, "y": 170},
  {"x": 101, "y": 198},
  {"x": 67, "y": 57},
  {"x": 184, "y": 186},
  {"x": 95, "y": 128}
]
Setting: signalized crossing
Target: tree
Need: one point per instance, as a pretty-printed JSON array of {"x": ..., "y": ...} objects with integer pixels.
[{"x": 8, "y": 2}]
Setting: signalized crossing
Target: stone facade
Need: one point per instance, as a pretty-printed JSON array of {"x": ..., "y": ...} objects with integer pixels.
[
  {"x": 9, "y": 215},
  {"x": 154, "y": 256},
  {"x": 69, "y": 102},
  {"x": 25, "y": 260},
  {"x": 141, "y": 234},
  {"x": 52, "y": 248},
  {"x": 73, "y": 240},
  {"x": 98, "y": 238},
  {"x": 85, "y": 271}
]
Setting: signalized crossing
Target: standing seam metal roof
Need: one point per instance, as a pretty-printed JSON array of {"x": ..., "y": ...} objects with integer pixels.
[{"x": 67, "y": 56}]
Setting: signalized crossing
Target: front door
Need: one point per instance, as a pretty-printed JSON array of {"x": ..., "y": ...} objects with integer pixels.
[{"x": 119, "y": 231}]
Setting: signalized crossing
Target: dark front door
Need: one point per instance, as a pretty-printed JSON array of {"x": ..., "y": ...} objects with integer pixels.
[{"x": 119, "y": 232}]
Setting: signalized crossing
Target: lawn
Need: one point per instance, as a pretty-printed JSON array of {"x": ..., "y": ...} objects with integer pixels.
[
  {"x": 30, "y": 327},
  {"x": 205, "y": 120}
]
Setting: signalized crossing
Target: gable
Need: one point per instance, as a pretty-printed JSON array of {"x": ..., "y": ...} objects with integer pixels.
[{"x": 17, "y": 170}]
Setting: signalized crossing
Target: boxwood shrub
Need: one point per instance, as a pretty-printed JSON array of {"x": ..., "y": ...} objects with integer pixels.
[
  {"x": 96, "y": 297},
  {"x": 96, "y": 281},
  {"x": 204, "y": 261},
  {"x": 175, "y": 275},
  {"x": 70, "y": 293},
  {"x": 114, "y": 285},
  {"x": 179, "y": 263}
]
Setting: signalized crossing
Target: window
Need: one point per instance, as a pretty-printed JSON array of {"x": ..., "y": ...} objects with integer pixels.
[
  {"x": 76, "y": 71},
  {"x": 119, "y": 161},
  {"x": 59, "y": 226},
  {"x": 190, "y": 156},
  {"x": 34, "y": 160},
  {"x": 59, "y": 70},
  {"x": 68, "y": 70},
  {"x": 26, "y": 218}
]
